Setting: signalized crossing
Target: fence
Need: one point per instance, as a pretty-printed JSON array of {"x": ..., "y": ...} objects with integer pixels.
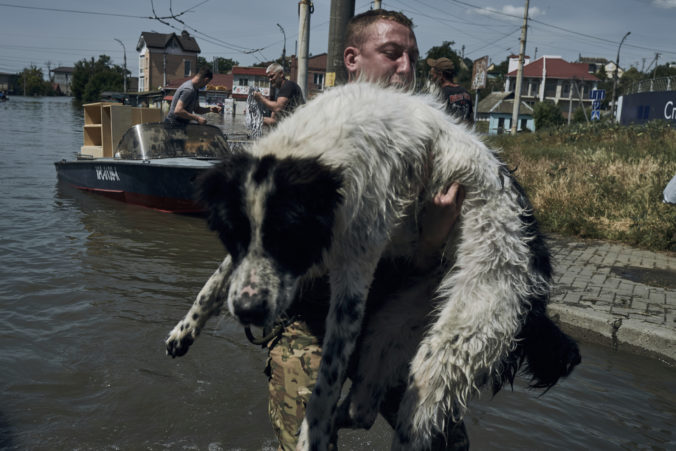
[{"x": 653, "y": 85}]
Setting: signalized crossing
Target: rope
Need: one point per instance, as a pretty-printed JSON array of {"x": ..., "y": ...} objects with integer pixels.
[{"x": 254, "y": 115}]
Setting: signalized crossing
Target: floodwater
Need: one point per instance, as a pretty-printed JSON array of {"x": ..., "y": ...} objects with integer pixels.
[{"x": 90, "y": 287}]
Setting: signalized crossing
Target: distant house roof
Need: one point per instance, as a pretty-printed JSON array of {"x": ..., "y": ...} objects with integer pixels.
[
  {"x": 64, "y": 70},
  {"x": 220, "y": 82},
  {"x": 503, "y": 103},
  {"x": 592, "y": 59},
  {"x": 154, "y": 40},
  {"x": 237, "y": 70},
  {"x": 554, "y": 67}
]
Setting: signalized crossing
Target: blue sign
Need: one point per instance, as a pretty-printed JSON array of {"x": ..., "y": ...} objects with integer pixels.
[
  {"x": 597, "y": 94},
  {"x": 595, "y": 114}
]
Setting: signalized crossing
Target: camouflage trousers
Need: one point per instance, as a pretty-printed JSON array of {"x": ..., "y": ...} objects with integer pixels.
[{"x": 293, "y": 368}]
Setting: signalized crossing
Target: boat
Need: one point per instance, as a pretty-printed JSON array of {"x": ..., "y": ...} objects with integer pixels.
[{"x": 154, "y": 165}]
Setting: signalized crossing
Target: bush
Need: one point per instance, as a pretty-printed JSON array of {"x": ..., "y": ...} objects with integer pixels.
[{"x": 547, "y": 114}]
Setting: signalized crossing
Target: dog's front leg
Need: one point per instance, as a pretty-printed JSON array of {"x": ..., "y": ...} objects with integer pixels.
[
  {"x": 208, "y": 302},
  {"x": 349, "y": 289}
]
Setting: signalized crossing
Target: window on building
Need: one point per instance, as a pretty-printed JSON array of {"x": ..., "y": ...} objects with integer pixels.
[
  {"x": 244, "y": 82},
  {"x": 186, "y": 69},
  {"x": 524, "y": 123},
  {"x": 318, "y": 79},
  {"x": 565, "y": 89},
  {"x": 141, "y": 84}
]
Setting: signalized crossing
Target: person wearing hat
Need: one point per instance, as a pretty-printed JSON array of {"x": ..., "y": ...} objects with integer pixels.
[{"x": 458, "y": 101}]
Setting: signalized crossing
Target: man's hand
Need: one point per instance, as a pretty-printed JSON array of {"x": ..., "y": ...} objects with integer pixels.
[
  {"x": 201, "y": 120},
  {"x": 215, "y": 109},
  {"x": 437, "y": 221}
]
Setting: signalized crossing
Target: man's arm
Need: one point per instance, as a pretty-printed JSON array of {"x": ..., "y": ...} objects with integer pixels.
[
  {"x": 180, "y": 111},
  {"x": 273, "y": 105},
  {"x": 437, "y": 221}
]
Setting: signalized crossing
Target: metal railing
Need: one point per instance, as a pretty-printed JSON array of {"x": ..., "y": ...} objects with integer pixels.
[{"x": 653, "y": 85}]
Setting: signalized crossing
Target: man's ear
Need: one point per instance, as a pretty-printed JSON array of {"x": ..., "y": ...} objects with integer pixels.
[{"x": 351, "y": 59}]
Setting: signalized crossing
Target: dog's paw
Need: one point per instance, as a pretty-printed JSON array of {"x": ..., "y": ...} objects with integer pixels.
[{"x": 180, "y": 339}]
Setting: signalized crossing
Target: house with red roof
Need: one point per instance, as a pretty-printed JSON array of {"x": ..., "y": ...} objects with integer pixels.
[
  {"x": 552, "y": 78},
  {"x": 244, "y": 78}
]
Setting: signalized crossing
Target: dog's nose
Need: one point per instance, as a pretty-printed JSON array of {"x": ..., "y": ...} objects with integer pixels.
[{"x": 252, "y": 307}]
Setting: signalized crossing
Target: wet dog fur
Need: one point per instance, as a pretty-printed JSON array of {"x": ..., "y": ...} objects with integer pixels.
[{"x": 338, "y": 187}]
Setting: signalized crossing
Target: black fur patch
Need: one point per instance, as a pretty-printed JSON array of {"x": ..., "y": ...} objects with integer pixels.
[
  {"x": 220, "y": 189},
  {"x": 299, "y": 213}
]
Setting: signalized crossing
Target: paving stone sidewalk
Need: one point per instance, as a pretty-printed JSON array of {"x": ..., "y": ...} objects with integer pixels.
[{"x": 616, "y": 294}]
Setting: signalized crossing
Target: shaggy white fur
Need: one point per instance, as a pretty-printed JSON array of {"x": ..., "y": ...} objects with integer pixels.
[{"x": 393, "y": 151}]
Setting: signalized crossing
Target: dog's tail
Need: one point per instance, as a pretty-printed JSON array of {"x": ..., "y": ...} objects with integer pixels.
[{"x": 543, "y": 351}]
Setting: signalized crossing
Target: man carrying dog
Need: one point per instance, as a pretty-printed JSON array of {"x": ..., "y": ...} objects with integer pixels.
[{"x": 380, "y": 46}]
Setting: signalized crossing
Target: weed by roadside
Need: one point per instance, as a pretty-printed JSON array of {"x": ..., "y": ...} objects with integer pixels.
[{"x": 599, "y": 180}]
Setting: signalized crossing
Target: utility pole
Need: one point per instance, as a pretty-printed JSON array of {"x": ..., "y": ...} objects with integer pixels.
[
  {"x": 124, "y": 76},
  {"x": 657, "y": 57},
  {"x": 617, "y": 66},
  {"x": 377, "y": 4},
  {"x": 283, "y": 49},
  {"x": 305, "y": 8},
  {"x": 519, "y": 71},
  {"x": 341, "y": 12}
]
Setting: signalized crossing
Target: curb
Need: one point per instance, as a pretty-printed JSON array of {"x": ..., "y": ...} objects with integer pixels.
[{"x": 619, "y": 332}]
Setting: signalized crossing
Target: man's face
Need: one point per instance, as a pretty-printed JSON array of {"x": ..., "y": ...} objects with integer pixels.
[
  {"x": 389, "y": 54},
  {"x": 435, "y": 76},
  {"x": 276, "y": 78},
  {"x": 202, "y": 82}
]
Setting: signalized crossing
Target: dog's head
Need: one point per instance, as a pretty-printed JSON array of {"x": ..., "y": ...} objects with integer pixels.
[{"x": 275, "y": 218}]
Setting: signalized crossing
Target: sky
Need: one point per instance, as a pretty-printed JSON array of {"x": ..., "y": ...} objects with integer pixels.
[{"x": 53, "y": 33}]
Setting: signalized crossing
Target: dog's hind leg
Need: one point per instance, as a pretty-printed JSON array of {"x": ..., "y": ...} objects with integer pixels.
[{"x": 208, "y": 303}]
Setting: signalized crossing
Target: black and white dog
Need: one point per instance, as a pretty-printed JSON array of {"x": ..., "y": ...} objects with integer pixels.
[{"x": 338, "y": 187}]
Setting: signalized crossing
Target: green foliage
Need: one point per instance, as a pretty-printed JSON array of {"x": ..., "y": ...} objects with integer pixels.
[
  {"x": 91, "y": 77},
  {"x": 547, "y": 114},
  {"x": 222, "y": 65},
  {"x": 599, "y": 180},
  {"x": 32, "y": 79},
  {"x": 579, "y": 116}
]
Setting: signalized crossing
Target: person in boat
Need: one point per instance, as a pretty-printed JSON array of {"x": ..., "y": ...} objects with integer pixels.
[
  {"x": 287, "y": 97},
  {"x": 185, "y": 104}
]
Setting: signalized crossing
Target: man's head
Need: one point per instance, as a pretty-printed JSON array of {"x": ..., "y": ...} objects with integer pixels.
[
  {"x": 380, "y": 46},
  {"x": 202, "y": 77},
  {"x": 441, "y": 69},
  {"x": 275, "y": 73}
]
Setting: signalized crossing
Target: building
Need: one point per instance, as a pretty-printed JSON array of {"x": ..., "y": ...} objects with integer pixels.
[
  {"x": 8, "y": 82},
  {"x": 164, "y": 58},
  {"x": 595, "y": 65},
  {"x": 553, "y": 79},
  {"x": 61, "y": 78},
  {"x": 218, "y": 89},
  {"x": 316, "y": 73},
  {"x": 244, "y": 78},
  {"x": 497, "y": 108}
]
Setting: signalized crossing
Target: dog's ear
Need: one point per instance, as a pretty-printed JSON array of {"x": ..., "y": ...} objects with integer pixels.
[
  {"x": 312, "y": 183},
  {"x": 223, "y": 182}
]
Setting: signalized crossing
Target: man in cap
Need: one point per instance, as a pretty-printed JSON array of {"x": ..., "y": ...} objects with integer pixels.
[{"x": 458, "y": 101}]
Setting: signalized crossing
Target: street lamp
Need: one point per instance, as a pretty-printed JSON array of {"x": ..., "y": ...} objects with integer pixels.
[
  {"x": 617, "y": 65},
  {"x": 124, "y": 76}
]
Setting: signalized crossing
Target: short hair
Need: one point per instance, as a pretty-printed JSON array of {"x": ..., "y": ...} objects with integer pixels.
[
  {"x": 274, "y": 68},
  {"x": 355, "y": 34},
  {"x": 205, "y": 72}
]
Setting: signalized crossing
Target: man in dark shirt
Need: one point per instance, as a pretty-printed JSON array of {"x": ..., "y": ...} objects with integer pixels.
[
  {"x": 288, "y": 95},
  {"x": 185, "y": 103},
  {"x": 458, "y": 101}
]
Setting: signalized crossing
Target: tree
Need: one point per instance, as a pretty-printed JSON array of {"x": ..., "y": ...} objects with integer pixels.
[
  {"x": 547, "y": 114},
  {"x": 223, "y": 65},
  {"x": 31, "y": 81},
  {"x": 91, "y": 77}
]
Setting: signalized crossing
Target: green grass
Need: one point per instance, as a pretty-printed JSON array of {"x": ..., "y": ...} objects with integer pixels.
[{"x": 599, "y": 180}]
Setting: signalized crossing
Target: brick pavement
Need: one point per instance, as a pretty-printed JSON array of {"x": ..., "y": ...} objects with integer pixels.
[{"x": 615, "y": 294}]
